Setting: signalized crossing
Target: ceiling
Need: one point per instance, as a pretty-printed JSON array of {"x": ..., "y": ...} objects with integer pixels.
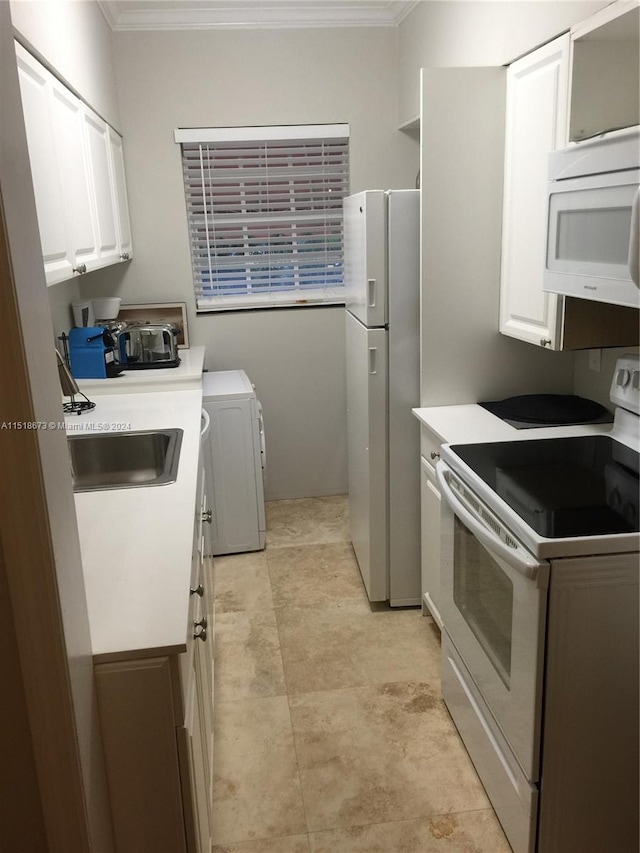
[{"x": 252, "y": 14}]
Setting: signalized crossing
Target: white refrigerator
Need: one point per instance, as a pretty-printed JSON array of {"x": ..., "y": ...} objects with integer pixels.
[{"x": 382, "y": 280}]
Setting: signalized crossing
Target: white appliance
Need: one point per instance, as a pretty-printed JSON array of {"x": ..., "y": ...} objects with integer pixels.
[
  {"x": 382, "y": 280},
  {"x": 235, "y": 462},
  {"x": 540, "y": 641},
  {"x": 593, "y": 227}
]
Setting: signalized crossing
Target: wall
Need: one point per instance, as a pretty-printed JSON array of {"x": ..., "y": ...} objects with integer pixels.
[
  {"x": 452, "y": 33},
  {"x": 295, "y": 357},
  {"x": 464, "y": 358},
  {"x": 61, "y": 296}
]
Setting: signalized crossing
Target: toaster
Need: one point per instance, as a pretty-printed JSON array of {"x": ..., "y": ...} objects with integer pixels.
[{"x": 147, "y": 346}]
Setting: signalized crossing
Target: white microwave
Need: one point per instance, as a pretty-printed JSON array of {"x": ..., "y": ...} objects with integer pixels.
[{"x": 593, "y": 221}]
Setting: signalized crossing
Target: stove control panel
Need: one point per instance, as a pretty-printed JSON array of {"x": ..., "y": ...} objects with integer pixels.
[{"x": 625, "y": 385}]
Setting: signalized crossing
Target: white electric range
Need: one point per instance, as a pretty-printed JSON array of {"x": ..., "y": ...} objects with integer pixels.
[{"x": 540, "y": 607}]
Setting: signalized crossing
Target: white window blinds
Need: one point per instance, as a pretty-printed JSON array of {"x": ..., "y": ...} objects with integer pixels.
[{"x": 264, "y": 208}]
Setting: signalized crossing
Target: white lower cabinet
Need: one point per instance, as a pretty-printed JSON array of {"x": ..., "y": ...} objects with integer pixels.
[
  {"x": 156, "y": 716},
  {"x": 430, "y": 528},
  {"x": 77, "y": 168},
  {"x": 430, "y": 525},
  {"x": 197, "y": 733}
]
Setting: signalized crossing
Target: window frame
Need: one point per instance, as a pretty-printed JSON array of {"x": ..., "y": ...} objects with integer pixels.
[{"x": 289, "y": 211}]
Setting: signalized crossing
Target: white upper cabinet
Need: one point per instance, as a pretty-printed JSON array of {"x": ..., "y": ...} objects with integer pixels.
[
  {"x": 77, "y": 167},
  {"x": 605, "y": 83},
  {"x": 123, "y": 225},
  {"x": 74, "y": 173},
  {"x": 97, "y": 140},
  {"x": 48, "y": 182},
  {"x": 537, "y": 95},
  {"x": 539, "y": 115}
]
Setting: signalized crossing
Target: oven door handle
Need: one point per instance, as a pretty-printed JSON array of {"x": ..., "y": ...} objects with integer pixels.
[
  {"x": 634, "y": 241},
  {"x": 517, "y": 558}
]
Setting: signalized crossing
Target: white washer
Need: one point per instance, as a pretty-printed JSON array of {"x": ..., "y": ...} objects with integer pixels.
[{"x": 235, "y": 462}]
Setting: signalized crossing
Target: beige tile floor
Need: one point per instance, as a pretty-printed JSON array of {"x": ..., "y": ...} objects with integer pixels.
[{"x": 330, "y": 732}]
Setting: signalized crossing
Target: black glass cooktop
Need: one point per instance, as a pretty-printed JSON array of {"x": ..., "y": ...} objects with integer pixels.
[{"x": 562, "y": 487}]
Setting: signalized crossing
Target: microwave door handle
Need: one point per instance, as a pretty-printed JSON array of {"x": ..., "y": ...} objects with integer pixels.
[
  {"x": 522, "y": 562},
  {"x": 205, "y": 423},
  {"x": 634, "y": 240}
]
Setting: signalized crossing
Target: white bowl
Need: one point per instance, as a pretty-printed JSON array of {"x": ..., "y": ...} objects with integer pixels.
[{"x": 107, "y": 308}]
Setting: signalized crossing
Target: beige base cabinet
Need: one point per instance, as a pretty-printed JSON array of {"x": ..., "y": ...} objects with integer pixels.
[
  {"x": 590, "y": 714},
  {"x": 77, "y": 167},
  {"x": 156, "y": 719},
  {"x": 536, "y": 123}
]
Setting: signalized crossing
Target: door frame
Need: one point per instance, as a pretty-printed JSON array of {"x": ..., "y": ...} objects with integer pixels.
[{"x": 53, "y": 766}]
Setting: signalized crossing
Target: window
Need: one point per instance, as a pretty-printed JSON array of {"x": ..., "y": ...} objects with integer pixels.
[{"x": 264, "y": 208}]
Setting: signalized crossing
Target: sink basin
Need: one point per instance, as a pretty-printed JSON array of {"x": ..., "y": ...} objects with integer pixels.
[{"x": 124, "y": 460}]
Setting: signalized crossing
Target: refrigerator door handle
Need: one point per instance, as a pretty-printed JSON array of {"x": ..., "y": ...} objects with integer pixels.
[
  {"x": 371, "y": 292},
  {"x": 373, "y": 360}
]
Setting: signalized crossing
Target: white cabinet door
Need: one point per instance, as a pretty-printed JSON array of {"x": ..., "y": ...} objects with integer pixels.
[
  {"x": 48, "y": 186},
  {"x": 197, "y": 782},
  {"x": 202, "y": 735},
  {"x": 204, "y": 649},
  {"x": 195, "y": 739},
  {"x": 72, "y": 161},
  {"x": 98, "y": 147},
  {"x": 199, "y": 705},
  {"x": 431, "y": 530},
  {"x": 77, "y": 166},
  {"x": 536, "y": 123},
  {"x": 123, "y": 225}
]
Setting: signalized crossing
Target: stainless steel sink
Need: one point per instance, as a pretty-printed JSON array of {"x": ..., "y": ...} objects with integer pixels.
[{"x": 124, "y": 460}]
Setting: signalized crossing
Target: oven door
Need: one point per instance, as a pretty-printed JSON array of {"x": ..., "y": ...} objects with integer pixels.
[{"x": 494, "y": 598}]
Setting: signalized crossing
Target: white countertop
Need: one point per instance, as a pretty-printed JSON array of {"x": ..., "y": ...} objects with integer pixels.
[
  {"x": 471, "y": 424},
  {"x": 187, "y": 374},
  {"x": 136, "y": 543}
]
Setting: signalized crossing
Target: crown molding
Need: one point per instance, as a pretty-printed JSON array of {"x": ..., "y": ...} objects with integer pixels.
[
  {"x": 127, "y": 15},
  {"x": 107, "y": 13}
]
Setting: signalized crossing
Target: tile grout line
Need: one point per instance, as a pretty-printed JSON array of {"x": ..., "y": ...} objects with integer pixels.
[
  {"x": 417, "y": 819},
  {"x": 286, "y": 685}
]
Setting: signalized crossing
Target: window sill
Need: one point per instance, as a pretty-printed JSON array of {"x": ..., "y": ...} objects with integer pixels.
[{"x": 273, "y": 306}]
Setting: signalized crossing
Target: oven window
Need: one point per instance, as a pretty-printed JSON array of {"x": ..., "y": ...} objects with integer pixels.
[
  {"x": 599, "y": 236},
  {"x": 483, "y": 595}
]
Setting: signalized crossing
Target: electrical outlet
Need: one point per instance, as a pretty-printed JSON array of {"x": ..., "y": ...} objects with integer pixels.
[{"x": 595, "y": 359}]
